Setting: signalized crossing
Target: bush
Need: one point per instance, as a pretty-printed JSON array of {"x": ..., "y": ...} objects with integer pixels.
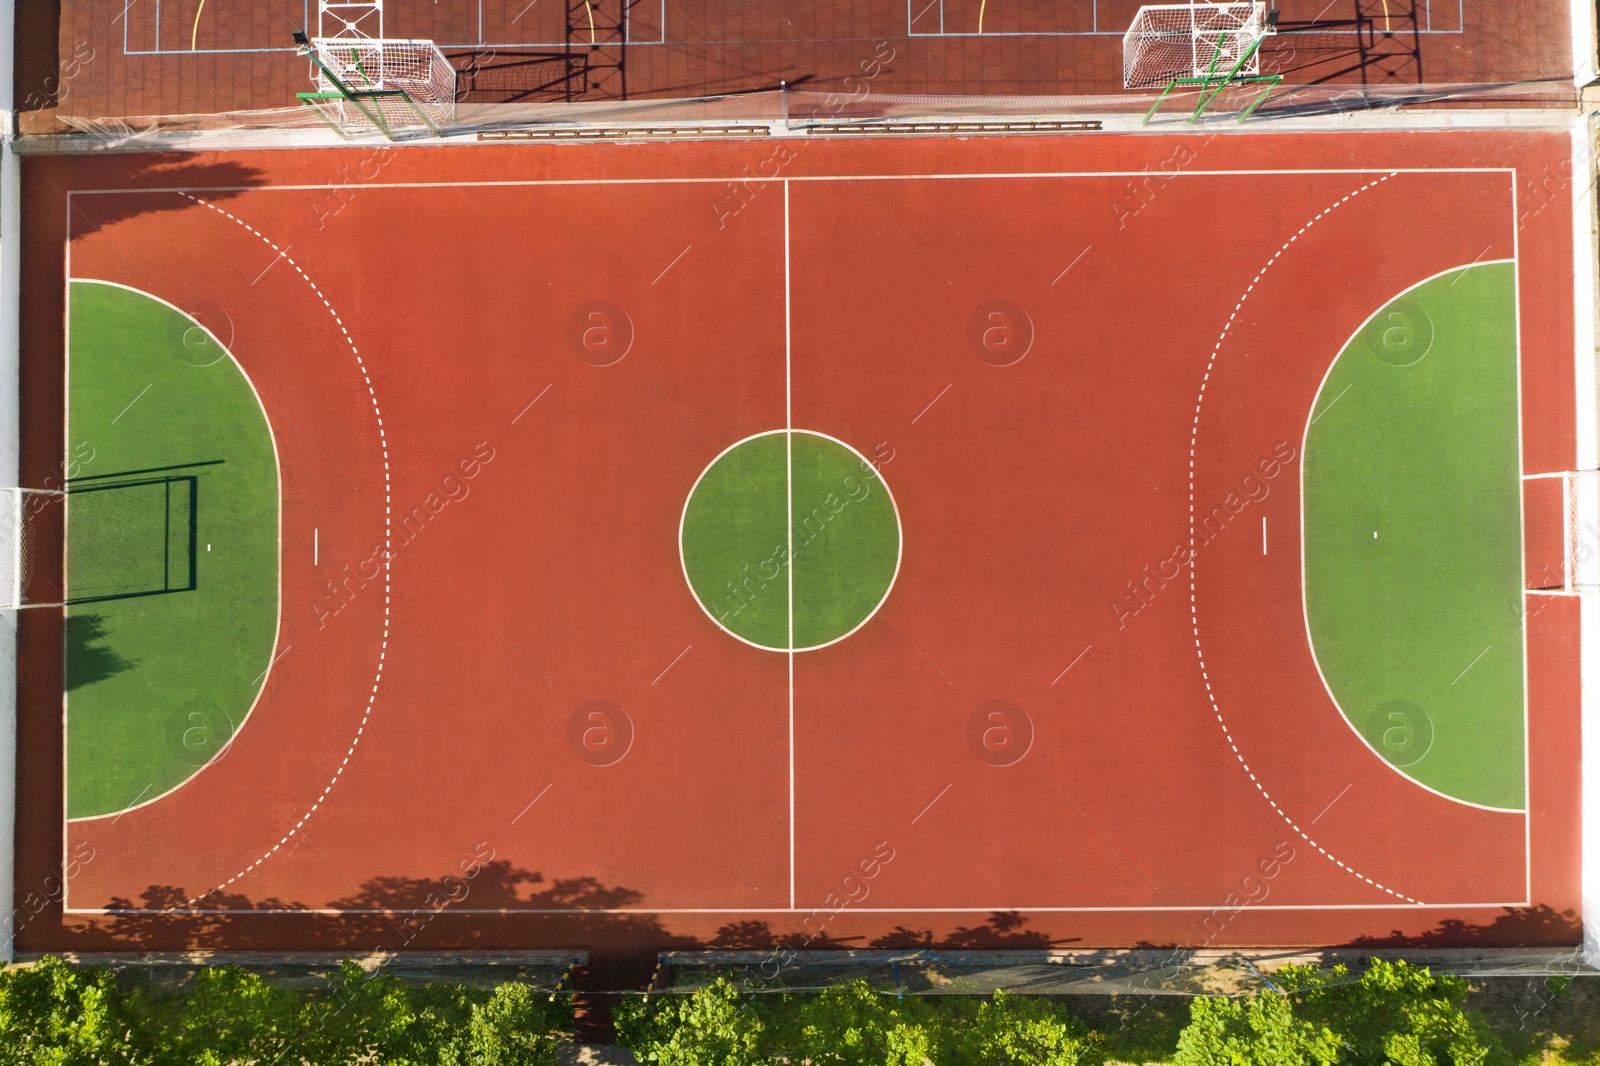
[
  {"x": 708, "y": 1028},
  {"x": 1259, "y": 1031},
  {"x": 1396, "y": 1013},
  {"x": 850, "y": 1025},
  {"x": 54, "y": 1015}
]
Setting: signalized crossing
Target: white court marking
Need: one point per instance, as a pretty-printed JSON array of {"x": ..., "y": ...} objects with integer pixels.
[{"x": 1385, "y": 173}]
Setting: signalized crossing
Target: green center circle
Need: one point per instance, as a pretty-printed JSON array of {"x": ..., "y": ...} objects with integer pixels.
[{"x": 790, "y": 540}]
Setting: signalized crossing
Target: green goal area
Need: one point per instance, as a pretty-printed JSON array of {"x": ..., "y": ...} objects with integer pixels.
[
  {"x": 1413, "y": 536},
  {"x": 171, "y": 548}
]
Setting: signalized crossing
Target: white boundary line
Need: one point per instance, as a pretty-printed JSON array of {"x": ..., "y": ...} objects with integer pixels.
[
  {"x": 1025, "y": 908},
  {"x": 963, "y": 176},
  {"x": 912, "y": 14},
  {"x": 1578, "y": 186},
  {"x": 10, "y": 458},
  {"x": 1305, "y": 612},
  {"x": 1522, "y": 548},
  {"x": 66, "y": 449},
  {"x": 479, "y": 45},
  {"x": 1587, "y": 458},
  {"x": 277, "y": 625}
]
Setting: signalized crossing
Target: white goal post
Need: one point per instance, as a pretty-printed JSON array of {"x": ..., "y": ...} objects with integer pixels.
[
  {"x": 1169, "y": 41},
  {"x": 401, "y": 81},
  {"x": 18, "y": 511}
]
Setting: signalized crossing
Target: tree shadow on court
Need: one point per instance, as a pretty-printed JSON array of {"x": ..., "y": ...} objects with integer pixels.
[
  {"x": 1540, "y": 926},
  {"x": 90, "y": 655},
  {"x": 385, "y": 914},
  {"x": 1002, "y": 930},
  {"x": 164, "y": 176}
]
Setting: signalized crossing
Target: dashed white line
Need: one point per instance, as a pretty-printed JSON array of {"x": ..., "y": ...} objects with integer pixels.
[
  {"x": 1194, "y": 612},
  {"x": 383, "y": 443}
]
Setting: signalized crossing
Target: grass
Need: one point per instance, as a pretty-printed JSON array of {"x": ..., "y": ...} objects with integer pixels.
[
  {"x": 159, "y": 679},
  {"x": 741, "y": 525},
  {"x": 1413, "y": 551}
]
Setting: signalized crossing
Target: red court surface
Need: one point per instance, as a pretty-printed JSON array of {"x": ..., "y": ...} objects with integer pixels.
[{"x": 398, "y": 326}]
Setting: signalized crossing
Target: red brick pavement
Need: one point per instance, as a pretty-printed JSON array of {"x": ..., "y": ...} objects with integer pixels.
[{"x": 105, "y": 58}]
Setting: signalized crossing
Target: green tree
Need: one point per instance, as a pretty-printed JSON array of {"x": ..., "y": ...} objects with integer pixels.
[
  {"x": 54, "y": 1015},
  {"x": 231, "y": 1017},
  {"x": 711, "y": 1026},
  {"x": 853, "y": 1025},
  {"x": 1018, "y": 1031},
  {"x": 1258, "y": 1030},
  {"x": 515, "y": 1027},
  {"x": 1396, "y": 1013},
  {"x": 364, "y": 1018}
]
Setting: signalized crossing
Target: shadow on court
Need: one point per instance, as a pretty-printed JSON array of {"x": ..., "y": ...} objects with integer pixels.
[
  {"x": 216, "y": 181},
  {"x": 90, "y": 655}
]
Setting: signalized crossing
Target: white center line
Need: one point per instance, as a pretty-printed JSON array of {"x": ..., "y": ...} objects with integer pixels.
[
  {"x": 1263, "y": 534},
  {"x": 788, "y": 438}
]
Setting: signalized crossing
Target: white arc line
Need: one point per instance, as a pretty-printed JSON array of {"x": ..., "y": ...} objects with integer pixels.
[
  {"x": 383, "y": 445},
  {"x": 1194, "y": 609}
]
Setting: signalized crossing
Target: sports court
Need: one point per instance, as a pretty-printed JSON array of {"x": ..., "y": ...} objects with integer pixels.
[{"x": 1079, "y": 540}]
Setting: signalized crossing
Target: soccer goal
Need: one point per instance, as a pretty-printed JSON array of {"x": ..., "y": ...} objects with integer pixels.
[
  {"x": 23, "y": 514},
  {"x": 1580, "y": 497},
  {"x": 392, "y": 85},
  {"x": 1206, "y": 46},
  {"x": 367, "y": 80},
  {"x": 106, "y": 539}
]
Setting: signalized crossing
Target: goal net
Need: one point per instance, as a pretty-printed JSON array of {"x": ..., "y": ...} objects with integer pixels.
[
  {"x": 1168, "y": 41},
  {"x": 104, "y": 540},
  {"x": 1581, "y": 502},
  {"x": 394, "y": 84},
  {"x": 23, "y": 514}
]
